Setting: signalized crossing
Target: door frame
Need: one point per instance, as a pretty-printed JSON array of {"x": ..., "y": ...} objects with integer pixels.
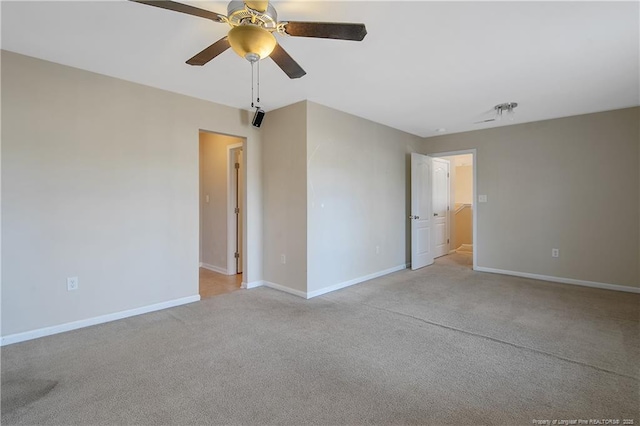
[
  {"x": 474, "y": 156},
  {"x": 231, "y": 196}
]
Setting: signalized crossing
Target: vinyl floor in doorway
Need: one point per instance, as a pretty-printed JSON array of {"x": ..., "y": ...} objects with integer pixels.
[{"x": 214, "y": 284}]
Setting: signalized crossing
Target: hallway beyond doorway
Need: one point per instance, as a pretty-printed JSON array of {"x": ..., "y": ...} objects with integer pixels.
[
  {"x": 462, "y": 198},
  {"x": 457, "y": 259}
]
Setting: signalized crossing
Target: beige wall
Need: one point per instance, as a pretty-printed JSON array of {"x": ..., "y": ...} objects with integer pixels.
[
  {"x": 100, "y": 181},
  {"x": 461, "y": 192},
  {"x": 464, "y": 185},
  {"x": 558, "y": 184},
  {"x": 358, "y": 196},
  {"x": 335, "y": 187},
  {"x": 463, "y": 221},
  {"x": 284, "y": 140},
  {"x": 213, "y": 183}
]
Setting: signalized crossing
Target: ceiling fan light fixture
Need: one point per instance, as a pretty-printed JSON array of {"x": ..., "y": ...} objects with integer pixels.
[
  {"x": 251, "y": 42},
  {"x": 507, "y": 107}
]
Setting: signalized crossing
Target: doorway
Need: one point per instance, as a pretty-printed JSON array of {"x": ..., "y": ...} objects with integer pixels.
[
  {"x": 443, "y": 214},
  {"x": 462, "y": 224},
  {"x": 222, "y": 188},
  {"x": 235, "y": 208}
]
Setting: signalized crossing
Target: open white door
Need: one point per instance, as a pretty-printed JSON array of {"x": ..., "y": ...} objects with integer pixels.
[
  {"x": 440, "y": 225},
  {"x": 235, "y": 209},
  {"x": 239, "y": 209},
  {"x": 421, "y": 210}
]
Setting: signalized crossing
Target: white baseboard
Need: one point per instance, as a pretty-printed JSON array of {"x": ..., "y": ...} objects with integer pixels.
[
  {"x": 355, "y": 281},
  {"x": 572, "y": 281},
  {"x": 309, "y": 295},
  {"x": 285, "y": 289},
  {"x": 252, "y": 284},
  {"x": 214, "y": 268},
  {"x": 48, "y": 331},
  {"x": 279, "y": 287}
]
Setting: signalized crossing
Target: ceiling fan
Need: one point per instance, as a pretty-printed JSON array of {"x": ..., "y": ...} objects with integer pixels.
[
  {"x": 500, "y": 110},
  {"x": 251, "y": 35}
]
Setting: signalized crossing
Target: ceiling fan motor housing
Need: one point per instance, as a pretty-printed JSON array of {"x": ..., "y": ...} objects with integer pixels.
[{"x": 239, "y": 13}]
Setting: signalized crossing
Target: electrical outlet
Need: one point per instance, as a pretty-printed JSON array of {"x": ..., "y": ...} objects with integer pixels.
[
  {"x": 555, "y": 253},
  {"x": 72, "y": 283},
  {"x": 377, "y": 249},
  {"x": 482, "y": 198},
  {"x": 283, "y": 259}
]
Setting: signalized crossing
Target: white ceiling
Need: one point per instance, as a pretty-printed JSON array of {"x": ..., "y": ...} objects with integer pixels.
[{"x": 423, "y": 65}]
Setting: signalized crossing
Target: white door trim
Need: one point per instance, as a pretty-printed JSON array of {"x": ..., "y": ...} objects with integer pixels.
[
  {"x": 474, "y": 155},
  {"x": 231, "y": 195}
]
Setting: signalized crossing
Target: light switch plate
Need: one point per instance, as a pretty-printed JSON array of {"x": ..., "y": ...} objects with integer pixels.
[{"x": 482, "y": 198}]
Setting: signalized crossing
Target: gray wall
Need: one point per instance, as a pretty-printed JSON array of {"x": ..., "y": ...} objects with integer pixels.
[
  {"x": 284, "y": 140},
  {"x": 357, "y": 196},
  {"x": 570, "y": 183},
  {"x": 100, "y": 181}
]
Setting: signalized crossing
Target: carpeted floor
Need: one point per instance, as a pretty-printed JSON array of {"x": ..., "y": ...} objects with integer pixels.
[{"x": 442, "y": 345}]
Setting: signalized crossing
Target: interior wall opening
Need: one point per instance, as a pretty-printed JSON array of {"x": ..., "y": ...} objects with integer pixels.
[
  {"x": 222, "y": 188},
  {"x": 460, "y": 212}
]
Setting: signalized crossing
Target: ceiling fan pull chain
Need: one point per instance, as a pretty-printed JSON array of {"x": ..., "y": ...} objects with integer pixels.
[
  {"x": 251, "y": 84},
  {"x": 258, "y": 101}
]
